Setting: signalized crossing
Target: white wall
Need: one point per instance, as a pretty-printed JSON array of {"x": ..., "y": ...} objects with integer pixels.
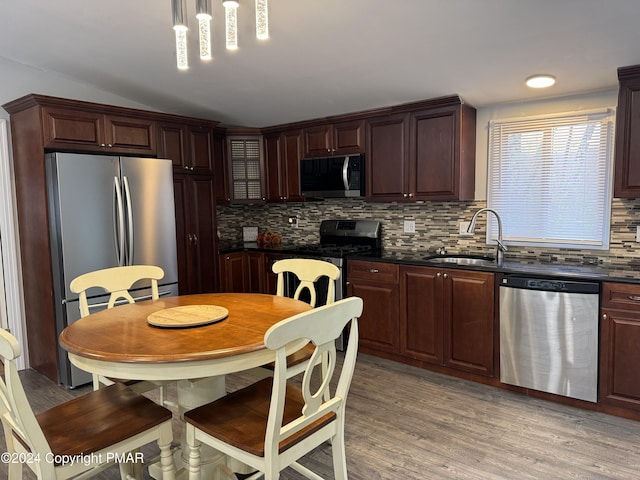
[
  {"x": 19, "y": 80},
  {"x": 574, "y": 103}
]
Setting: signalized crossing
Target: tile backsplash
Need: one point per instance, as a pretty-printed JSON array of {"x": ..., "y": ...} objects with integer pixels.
[{"x": 436, "y": 225}]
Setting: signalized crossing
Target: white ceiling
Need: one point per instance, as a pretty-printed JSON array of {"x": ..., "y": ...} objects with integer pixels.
[{"x": 327, "y": 57}]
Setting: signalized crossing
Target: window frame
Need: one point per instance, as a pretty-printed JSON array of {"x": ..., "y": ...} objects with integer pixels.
[{"x": 607, "y": 120}]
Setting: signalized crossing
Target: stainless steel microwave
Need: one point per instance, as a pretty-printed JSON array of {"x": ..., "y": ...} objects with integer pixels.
[{"x": 332, "y": 177}]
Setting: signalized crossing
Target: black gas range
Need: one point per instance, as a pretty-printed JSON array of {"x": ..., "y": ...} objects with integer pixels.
[{"x": 341, "y": 238}]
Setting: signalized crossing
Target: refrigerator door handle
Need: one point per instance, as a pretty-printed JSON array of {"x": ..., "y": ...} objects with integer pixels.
[
  {"x": 127, "y": 193},
  {"x": 118, "y": 222}
]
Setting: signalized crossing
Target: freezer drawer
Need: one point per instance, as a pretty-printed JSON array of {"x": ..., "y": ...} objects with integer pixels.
[{"x": 549, "y": 340}]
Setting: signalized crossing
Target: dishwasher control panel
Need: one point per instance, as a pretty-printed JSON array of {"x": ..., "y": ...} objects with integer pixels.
[{"x": 549, "y": 284}]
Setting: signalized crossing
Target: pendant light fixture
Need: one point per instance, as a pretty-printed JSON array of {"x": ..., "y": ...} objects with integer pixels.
[
  {"x": 203, "y": 14},
  {"x": 231, "y": 23},
  {"x": 262, "y": 19},
  {"x": 178, "y": 7}
]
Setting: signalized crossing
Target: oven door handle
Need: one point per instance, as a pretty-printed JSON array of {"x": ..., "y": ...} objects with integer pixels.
[{"x": 345, "y": 173}]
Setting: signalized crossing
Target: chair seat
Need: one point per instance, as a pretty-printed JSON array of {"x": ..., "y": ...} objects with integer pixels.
[
  {"x": 115, "y": 412},
  {"x": 240, "y": 418}
]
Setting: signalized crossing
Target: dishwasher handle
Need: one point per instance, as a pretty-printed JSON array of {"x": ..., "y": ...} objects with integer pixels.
[{"x": 550, "y": 284}]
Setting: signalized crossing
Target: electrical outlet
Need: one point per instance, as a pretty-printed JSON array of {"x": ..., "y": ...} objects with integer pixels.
[
  {"x": 637, "y": 234},
  {"x": 409, "y": 226},
  {"x": 293, "y": 221},
  {"x": 463, "y": 229}
]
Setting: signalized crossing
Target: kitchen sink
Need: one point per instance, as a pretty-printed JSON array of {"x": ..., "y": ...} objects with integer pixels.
[{"x": 462, "y": 259}]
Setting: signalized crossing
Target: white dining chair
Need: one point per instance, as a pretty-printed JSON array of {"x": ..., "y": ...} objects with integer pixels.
[
  {"x": 270, "y": 424},
  {"x": 308, "y": 272},
  {"x": 83, "y": 436},
  {"x": 117, "y": 281}
]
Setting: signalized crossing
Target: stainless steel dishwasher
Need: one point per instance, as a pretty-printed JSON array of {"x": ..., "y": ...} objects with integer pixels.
[{"x": 549, "y": 335}]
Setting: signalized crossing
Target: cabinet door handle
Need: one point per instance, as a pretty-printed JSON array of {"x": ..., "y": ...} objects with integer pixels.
[
  {"x": 634, "y": 298},
  {"x": 411, "y": 195},
  {"x": 604, "y": 316},
  {"x": 195, "y": 239},
  {"x": 374, "y": 270},
  {"x": 438, "y": 274},
  {"x": 445, "y": 275}
]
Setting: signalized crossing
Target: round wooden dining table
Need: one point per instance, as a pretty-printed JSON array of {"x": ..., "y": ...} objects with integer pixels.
[{"x": 122, "y": 343}]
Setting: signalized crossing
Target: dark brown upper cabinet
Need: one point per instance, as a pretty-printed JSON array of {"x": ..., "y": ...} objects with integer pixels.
[
  {"x": 283, "y": 151},
  {"x": 334, "y": 139},
  {"x": 627, "y": 150},
  {"x": 422, "y": 153},
  {"x": 190, "y": 147},
  {"x": 78, "y": 130}
]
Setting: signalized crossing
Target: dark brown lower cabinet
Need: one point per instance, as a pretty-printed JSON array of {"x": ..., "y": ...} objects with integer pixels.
[
  {"x": 270, "y": 278},
  {"x": 436, "y": 316},
  {"x": 254, "y": 278},
  {"x": 248, "y": 272},
  {"x": 468, "y": 311},
  {"x": 377, "y": 284},
  {"x": 620, "y": 346},
  {"x": 447, "y": 317},
  {"x": 232, "y": 272},
  {"x": 421, "y": 322}
]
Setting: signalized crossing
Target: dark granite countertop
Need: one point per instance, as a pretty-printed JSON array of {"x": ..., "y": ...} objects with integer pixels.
[
  {"x": 600, "y": 272},
  {"x": 227, "y": 247}
]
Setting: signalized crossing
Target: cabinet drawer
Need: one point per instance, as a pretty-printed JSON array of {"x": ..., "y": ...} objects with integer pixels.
[
  {"x": 372, "y": 271},
  {"x": 622, "y": 296}
]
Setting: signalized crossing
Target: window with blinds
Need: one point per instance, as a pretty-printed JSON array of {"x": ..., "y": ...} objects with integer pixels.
[
  {"x": 550, "y": 179},
  {"x": 246, "y": 164}
]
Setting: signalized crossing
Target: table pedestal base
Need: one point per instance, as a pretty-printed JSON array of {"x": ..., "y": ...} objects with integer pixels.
[{"x": 192, "y": 394}]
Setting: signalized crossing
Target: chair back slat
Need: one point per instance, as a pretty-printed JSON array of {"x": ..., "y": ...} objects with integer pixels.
[{"x": 308, "y": 271}]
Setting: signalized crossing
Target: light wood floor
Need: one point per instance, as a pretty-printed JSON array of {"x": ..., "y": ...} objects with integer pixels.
[{"x": 405, "y": 423}]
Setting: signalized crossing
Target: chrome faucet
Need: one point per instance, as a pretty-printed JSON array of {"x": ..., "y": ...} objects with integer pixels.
[{"x": 501, "y": 246}]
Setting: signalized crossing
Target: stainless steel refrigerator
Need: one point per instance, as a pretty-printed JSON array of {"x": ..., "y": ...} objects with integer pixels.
[{"x": 107, "y": 211}]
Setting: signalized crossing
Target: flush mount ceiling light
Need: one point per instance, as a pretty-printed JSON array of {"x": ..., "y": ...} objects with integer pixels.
[
  {"x": 540, "y": 81},
  {"x": 204, "y": 16}
]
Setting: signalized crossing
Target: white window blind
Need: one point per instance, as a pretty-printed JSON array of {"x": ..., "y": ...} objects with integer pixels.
[{"x": 550, "y": 179}]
